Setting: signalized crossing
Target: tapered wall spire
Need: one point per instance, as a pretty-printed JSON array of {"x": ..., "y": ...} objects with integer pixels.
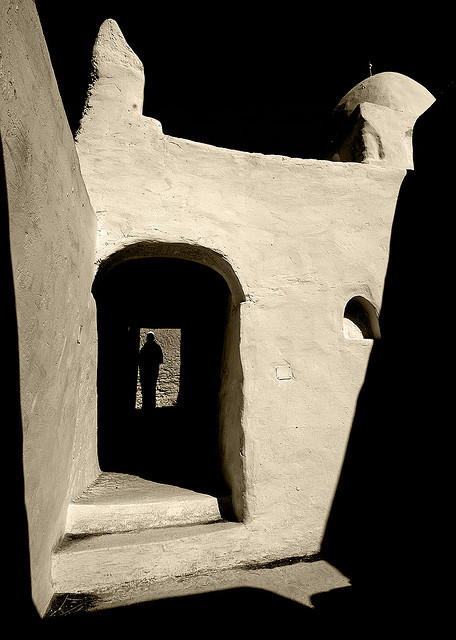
[{"x": 117, "y": 88}]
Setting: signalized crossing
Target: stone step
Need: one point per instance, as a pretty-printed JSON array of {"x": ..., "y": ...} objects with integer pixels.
[
  {"x": 118, "y": 502},
  {"x": 122, "y": 569},
  {"x": 93, "y": 563}
]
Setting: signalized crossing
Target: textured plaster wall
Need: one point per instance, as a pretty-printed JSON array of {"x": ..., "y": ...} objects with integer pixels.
[
  {"x": 302, "y": 236},
  {"x": 295, "y": 240},
  {"x": 376, "y": 119},
  {"x": 52, "y": 228}
]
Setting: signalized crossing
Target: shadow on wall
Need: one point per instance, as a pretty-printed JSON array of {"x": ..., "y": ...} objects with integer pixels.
[
  {"x": 388, "y": 513},
  {"x": 17, "y": 586}
]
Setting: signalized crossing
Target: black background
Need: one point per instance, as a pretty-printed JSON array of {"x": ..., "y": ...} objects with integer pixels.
[{"x": 260, "y": 78}]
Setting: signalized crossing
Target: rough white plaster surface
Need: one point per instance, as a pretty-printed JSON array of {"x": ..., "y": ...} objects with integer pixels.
[
  {"x": 295, "y": 239},
  {"x": 52, "y": 231},
  {"x": 118, "y": 502},
  {"x": 192, "y": 571},
  {"x": 302, "y": 236},
  {"x": 391, "y": 90},
  {"x": 92, "y": 563},
  {"x": 376, "y": 119}
]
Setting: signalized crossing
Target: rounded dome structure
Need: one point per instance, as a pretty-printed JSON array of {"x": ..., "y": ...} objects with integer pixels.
[{"x": 388, "y": 89}]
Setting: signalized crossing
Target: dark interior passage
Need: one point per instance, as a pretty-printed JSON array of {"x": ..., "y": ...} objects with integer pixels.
[{"x": 176, "y": 444}]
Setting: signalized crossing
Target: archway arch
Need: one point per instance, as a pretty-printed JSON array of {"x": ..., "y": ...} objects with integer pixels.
[
  {"x": 184, "y": 251},
  {"x": 194, "y": 293}
]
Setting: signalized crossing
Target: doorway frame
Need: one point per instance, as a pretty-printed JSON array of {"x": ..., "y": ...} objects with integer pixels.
[{"x": 231, "y": 396}]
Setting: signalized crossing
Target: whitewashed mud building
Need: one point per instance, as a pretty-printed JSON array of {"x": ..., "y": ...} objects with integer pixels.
[{"x": 267, "y": 272}]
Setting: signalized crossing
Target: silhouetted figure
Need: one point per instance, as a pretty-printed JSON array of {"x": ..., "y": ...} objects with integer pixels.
[{"x": 150, "y": 359}]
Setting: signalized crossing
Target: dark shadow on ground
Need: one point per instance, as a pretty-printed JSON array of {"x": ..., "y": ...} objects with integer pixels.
[
  {"x": 388, "y": 523},
  {"x": 242, "y": 610}
]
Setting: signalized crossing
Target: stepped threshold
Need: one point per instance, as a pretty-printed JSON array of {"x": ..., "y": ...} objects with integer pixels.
[{"x": 118, "y": 502}]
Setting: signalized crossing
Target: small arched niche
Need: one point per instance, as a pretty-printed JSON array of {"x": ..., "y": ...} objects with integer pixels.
[{"x": 360, "y": 320}]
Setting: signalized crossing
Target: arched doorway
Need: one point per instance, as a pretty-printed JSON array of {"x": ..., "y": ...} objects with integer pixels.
[{"x": 190, "y": 306}]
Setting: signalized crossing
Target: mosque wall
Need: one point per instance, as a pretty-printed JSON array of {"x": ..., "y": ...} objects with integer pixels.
[
  {"x": 294, "y": 239},
  {"x": 302, "y": 236}
]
